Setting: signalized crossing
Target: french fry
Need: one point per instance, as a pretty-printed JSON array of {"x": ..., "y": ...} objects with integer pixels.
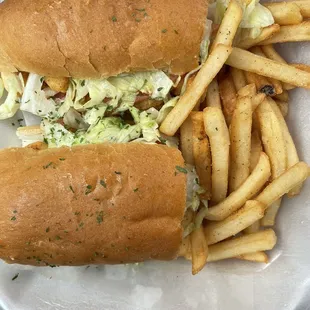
[
  {"x": 288, "y": 180},
  {"x": 240, "y": 143},
  {"x": 283, "y": 106},
  {"x": 186, "y": 139},
  {"x": 246, "y": 191},
  {"x": 304, "y": 6},
  {"x": 217, "y": 131},
  {"x": 259, "y": 241},
  {"x": 199, "y": 250},
  {"x": 291, "y": 152},
  {"x": 247, "y": 61},
  {"x": 252, "y": 228},
  {"x": 256, "y": 149},
  {"x": 59, "y": 84},
  {"x": 248, "y": 90},
  {"x": 274, "y": 146},
  {"x": 213, "y": 95},
  {"x": 272, "y": 54},
  {"x": 292, "y": 33},
  {"x": 262, "y": 84},
  {"x": 271, "y": 213},
  {"x": 258, "y": 257},
  {"x": 288, "y": 13},
  {"x": 228, "y": 96},
  {"x": 277, "y": 85},
  {"x": 303, "y": 67},
  {"x": 202, "y": 155},
  {"x": 229, "y": 25},
  {"x": 192, "y": 94},
  {"x": 283, "y": 97},
  {"x": 186, "y": 248},
  {"x": 251, "y": 212},
  {"x": 238, "y": 78},
  {"x": 247, "y": 41}
]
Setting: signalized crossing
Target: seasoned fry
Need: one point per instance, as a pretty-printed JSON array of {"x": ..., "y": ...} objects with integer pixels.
[
  {"x": 291, "y": 152},
  {"x": 291, "y": 178},
  {"x": 228, "y": 96},
  {"x": 301, "y": 67},
  {"x": 292, "y": 33},
  {"x": 258, "y": 257},
  {"x": 59, "y": 84},
  {"x": 238, "y": 78},
  {"x": 288, "y": 13},
  {"x": 192, "y": 94},
  {"x": 186, "y": 248},
  {"x": 186, "y": 139},
  {"x": 199, "y": 250},
  {"x": 248, "y": 90},
  {"x": 260, "y": 241},
  {"x": 271, "y": 213},
  {"x": 247, "y": 61},
  {"x": 229, "y": 25},
  {"x": 246, "y": 191},
  {"x": 213, "y": 95},
  {"x": 304, "y": 6},
  {"x": 247, "y": 41},
  {"x": 240, "y": 143},
  {"x": 262, "y": 84},
  {"x": 272, "y": 54},
  {"x": 256, "y": 149},
  {"x": 283, "y": 97},
  {"x": 235, "y": 223},
  {"x": 283, "y": 106},
  {"x": 217, "y": 131},
  {"x": 201, "y": 151},
  {"x": 252, "y": 228},
  {"x": 277, "y": 85}
]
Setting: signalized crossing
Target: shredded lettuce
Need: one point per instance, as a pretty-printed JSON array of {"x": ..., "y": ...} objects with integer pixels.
[
  {"x": 255, "y": 15},
  {"x": 204, "y": 45},
  {"x": 13, "y": 84},
  {"x": 36, "y": 101}
]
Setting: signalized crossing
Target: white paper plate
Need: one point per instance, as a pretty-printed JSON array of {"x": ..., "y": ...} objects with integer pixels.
[{"x": 234, "y": 285}]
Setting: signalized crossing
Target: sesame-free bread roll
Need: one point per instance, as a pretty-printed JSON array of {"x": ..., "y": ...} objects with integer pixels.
[
  {"x": 96, "y": 38},
  {"x": 93, "y": 204}
]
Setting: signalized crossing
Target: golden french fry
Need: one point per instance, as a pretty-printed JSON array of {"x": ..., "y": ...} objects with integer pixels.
[
  {"x": 247, "y": 61},
  {"x": 213, "y": 95},
  {"x": 304, "y": 6},
  {"x": 285, "y": 13},
  {"x": 271, "y": 213},
  {"x": 202, "y": 155},
  {"x": 277, "y": 85},
  {"x": 272, "y": 54},
  {"x": 217, "y": 131},
  {"x": 186, "y": 141},
  {"x": 283, "y": 106},
  {"x": 292, "y": 33},
  {"x": 301, "y": 67},
  {"x": 259, "y": 241},
  {"x": 186, "y": 248},
  {"x": 247, "y": 41},
  {"x": 246, "y": 191},
  {"x": 283, "y": 97},
  {"x": 291, "y": 178},
  {"x": 228, "y": 96},
  {"x": 251, "y": 212},
  {"x": 256, "y": 149},
  {"x": 229, "y": 25},
  {"x": 262, "y": 84},
  {"x": 258, "y": 257},
  {"x": 238, "y": 78},
  {"x": 199, "y": 250},
  {"x": 252, "y": 228},
  {"x": 192, "y": 95},
  {"x": 59, "y": 84},
  {"x": 248, "y": 90},
  {"x": 291, "y": 151},
  {"x": 240, "y": 143}
]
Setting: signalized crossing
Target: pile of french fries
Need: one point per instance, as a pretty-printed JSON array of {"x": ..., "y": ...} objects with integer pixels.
[{"x": 237, "y": 136}]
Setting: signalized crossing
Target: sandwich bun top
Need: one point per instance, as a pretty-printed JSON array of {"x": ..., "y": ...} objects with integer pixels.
[{"x": 93, "y": 39}]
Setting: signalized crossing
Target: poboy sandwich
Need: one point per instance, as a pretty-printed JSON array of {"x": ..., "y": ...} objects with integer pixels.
[{"x": 96, "y": 72}]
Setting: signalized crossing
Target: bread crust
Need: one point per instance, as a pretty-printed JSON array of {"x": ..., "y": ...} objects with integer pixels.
[
  {"x": 94, "y": 204},
  {"x": 95, "y": 38}
]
